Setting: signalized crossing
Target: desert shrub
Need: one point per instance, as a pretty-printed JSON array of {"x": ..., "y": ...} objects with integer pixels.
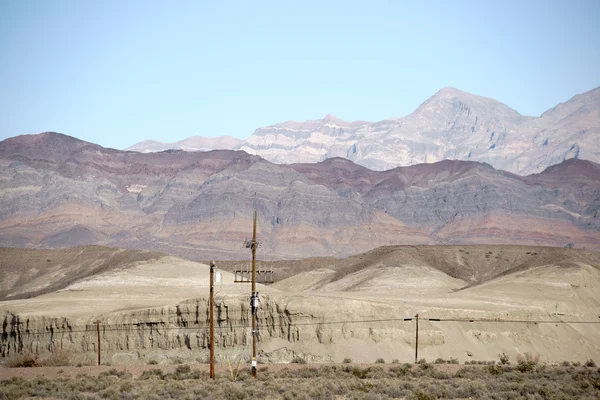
[
  {"x": 58, "y": 358},
  {"x": 326, "y": 381},
  {"x": 440, "y": 361},
  {"x": 504, "y": 360},
  {"x": 298, "y": 360},
  {"x": 183, "y": 369},
  {"x": 494, "y": 369},
  {"x": 527, "y": 362},
  {"x": 360, "y": 373},
  {"x": 380, "y": 361},
  {"x": 565, "y": 364},
  {"x": 183, "y": 372},
  {"x": 152, "y": 362},
  {"x": 422, "y": 361},
  {"x": 126, "y": 387},
  {"x": 395, "y": 361},
  {"x": 400, "y": 370},
  {"x": 590, "y": 363},
  {"x": 109, "y": 393},
  {"x": 576, "y": 364},
  {"x": 158, "y": 373},
  {"x": 115, "y": 372},
  {"x": 23, "y": 360},
  {"x": 419, "y": 395},
  {"x": 347, "y": 361},
  {"x": 376, "y": 373},
  {"x": 425, "y": 366},
  {"x": 453, "y": 360}
]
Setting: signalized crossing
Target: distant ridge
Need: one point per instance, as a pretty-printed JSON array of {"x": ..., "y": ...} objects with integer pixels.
[
  {"x": 59, "y": 191},
  {"x": 451, "y": 124},
  {"x": 194, "y": 143}
]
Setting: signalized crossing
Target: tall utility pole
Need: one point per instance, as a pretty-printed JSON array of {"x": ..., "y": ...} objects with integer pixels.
[
  {"x": 243, "y": 277},
  {"x": 212, "y": 321},
  {"x": 254, "y": 297}
]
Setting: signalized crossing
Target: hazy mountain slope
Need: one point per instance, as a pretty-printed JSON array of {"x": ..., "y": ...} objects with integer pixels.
[
  {"x": 471, "y": 265},
  {"x": 452, "y": 124},
  {"x": 58, "y": 191},
  {"x": 26, "y": 273},
  {"x": 194, "y": 143}
]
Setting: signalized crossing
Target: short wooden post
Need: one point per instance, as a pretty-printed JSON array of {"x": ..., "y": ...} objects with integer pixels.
[
  {"x": 98, "y": 329},
  {"x": 417, "y": 339}
]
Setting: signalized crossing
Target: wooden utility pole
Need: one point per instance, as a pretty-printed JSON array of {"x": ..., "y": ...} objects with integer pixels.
[
  {"x": 417, "y": 339},
  {"x": 244, "y": 277},
  {"x": 254, "y": 298},
  {"x": 98, "y": 330},
  {"x": 212, "y": 321}
]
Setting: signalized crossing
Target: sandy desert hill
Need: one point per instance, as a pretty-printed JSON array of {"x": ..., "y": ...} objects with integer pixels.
[
  {"x": 474, "y": 302},
  {"x": 29, "y": 273}
]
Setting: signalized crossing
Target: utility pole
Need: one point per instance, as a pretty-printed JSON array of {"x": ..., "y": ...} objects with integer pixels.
[
  {"x": 254, "y": 297},
  {"x": 98, "y": 330},
  {"x": 242, "y": 276},
  {"x": 417, "y": 339},
  {"x": 212, "y": 321}
]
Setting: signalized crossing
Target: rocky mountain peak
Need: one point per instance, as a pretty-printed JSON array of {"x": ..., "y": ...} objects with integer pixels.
[
  {"x": 332, "y": 118},
  {"x": 450, "y": 102},
  {"x": 450, "y": 91}
]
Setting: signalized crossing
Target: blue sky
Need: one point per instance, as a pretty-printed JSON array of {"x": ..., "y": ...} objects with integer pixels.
[{"x": 117, "y": 72}]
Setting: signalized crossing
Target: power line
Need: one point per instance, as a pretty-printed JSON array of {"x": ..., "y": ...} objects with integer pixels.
[{"x": 142, "y": 326}]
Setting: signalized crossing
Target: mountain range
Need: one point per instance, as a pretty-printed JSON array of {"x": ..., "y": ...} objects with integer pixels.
[
  {"x": 58, "y": 191},
  {"x": 194, "y": 143},
  {"x": 452, "y": 124}
]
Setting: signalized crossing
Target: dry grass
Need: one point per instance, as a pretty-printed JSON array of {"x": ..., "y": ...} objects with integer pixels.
[{"x": 424, "y": 381}]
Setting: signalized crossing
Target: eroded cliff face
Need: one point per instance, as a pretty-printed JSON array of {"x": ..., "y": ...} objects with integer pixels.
[
  {"x": 176, "y": 331},
  {"x": 180, "y": 334}
]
